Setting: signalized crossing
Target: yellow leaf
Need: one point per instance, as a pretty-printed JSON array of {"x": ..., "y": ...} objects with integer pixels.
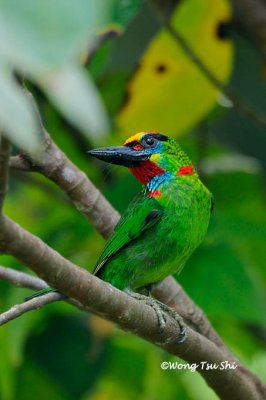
[{"x": 168, "y": 93}]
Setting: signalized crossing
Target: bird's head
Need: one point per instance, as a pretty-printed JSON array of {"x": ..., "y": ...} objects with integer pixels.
[{"x": 150, "y": 156}]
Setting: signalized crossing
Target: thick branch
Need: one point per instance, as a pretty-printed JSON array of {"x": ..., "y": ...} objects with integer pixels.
[
  {"x": 4, "y": 160},
  {"x": 108, "y": 302}
]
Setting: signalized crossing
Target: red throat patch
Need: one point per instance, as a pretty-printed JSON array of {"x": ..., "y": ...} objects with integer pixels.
[
  {"x": 146, "y": 170},
  {"x": 187, "y": 170}
]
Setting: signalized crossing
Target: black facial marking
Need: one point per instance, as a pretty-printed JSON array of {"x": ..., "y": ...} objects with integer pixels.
[{"x": 159, "y": 136}]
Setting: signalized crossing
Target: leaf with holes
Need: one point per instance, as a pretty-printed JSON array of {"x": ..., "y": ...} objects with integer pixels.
[{"x": 168, "y": 93}]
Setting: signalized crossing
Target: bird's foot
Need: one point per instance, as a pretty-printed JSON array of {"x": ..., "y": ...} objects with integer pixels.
[{"x": 162, "y": 310}]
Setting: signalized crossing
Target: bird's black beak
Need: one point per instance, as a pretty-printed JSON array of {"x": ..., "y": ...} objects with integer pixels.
[{"x": 122, "y": 155}]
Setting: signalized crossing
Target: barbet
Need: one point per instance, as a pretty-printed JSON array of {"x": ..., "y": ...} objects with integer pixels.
[{"x": 163, "y": 226}]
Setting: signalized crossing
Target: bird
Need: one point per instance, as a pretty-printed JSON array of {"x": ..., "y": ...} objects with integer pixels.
[{"x": 162, "y": 226}]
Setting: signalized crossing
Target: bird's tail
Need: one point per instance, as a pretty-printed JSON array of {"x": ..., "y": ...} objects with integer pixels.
[{"x": 40, "y": 293}]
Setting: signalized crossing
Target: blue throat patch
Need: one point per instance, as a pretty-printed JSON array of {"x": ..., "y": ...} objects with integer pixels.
[{"x": 157, "y": 180}]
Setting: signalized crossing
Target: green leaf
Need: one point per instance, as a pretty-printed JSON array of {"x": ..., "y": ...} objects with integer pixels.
[
  {"x": 77, "y": 98},
  {"x": 45, "y": 43},
  {"x": 18, "y": 119},
  {"x": 46, "y": 34}
]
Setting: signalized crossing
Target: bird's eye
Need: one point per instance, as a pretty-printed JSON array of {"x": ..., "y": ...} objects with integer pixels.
[{"x": 149, "y": 141}]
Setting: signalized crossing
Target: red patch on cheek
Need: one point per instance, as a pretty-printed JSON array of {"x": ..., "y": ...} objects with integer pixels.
[
  {"x": 136, "y": 146},
  {"x": 187, "y": 170}
]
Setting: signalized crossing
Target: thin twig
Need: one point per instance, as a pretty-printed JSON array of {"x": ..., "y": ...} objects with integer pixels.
[
  {"x": 33, "y": 304},
  {"x": 21, "y": 279}
]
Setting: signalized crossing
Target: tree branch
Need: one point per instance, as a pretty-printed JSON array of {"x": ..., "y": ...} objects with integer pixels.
[
  {"x": 33, "y": 304},
  {"x": 109, "y": 302},
  {"x": 4, "y": 160},
  {"x": 20, "y": 279}
]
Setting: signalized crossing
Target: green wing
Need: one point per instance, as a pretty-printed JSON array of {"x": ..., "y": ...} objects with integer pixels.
[{"x": 141, "y": 214}]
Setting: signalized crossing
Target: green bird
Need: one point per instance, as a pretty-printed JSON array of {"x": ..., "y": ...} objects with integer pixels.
[
  {"x": 165, "y": 223},
  {"x": 160, "y": 228}
]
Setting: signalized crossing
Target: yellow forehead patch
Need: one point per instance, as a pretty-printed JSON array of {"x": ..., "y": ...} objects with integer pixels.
[{"x": 135, "y": 138}]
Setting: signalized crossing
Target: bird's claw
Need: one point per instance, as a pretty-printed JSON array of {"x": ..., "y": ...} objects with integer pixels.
[{"x": 162, "y": 310}]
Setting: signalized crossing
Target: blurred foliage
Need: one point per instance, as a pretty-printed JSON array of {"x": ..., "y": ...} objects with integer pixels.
[{"x": 58, "y": 352}]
